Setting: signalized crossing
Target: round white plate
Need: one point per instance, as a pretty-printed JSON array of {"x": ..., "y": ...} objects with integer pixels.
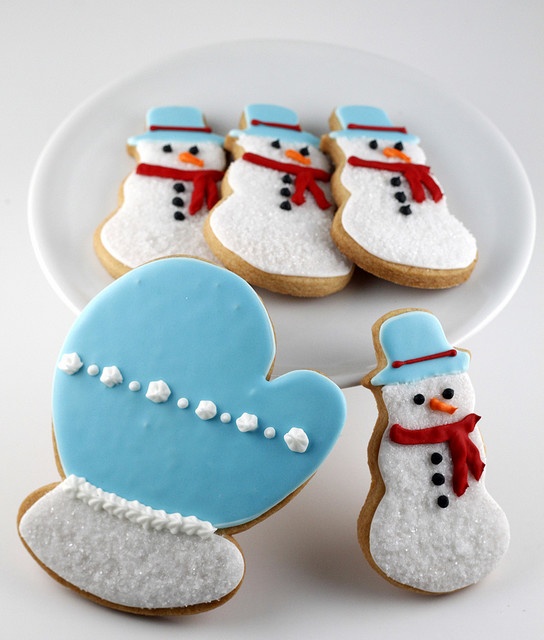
[{"x": 77, "y": 178}]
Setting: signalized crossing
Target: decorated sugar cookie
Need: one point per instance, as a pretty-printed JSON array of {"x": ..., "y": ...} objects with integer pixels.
[
  {"x": 428, "y": 523},
  {"x": 393, "y": 219},
  {"x": 171, "y": 437},
  {"x": 273, "y": 223},
  {"x": 165, "y": 200}
]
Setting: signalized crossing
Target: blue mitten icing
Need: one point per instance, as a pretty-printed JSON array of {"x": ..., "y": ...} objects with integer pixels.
[{"x": 161, "y": 395}]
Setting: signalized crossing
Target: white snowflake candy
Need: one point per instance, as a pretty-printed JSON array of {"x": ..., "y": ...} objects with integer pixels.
[
  {"x": 269, "y": 433},
  {"x": 158, "y": 391},
  {"x": 247, "y": 422},
  {"x": 70, "y": 363},
  {"x": 134, "y": 385},
  {"x": 93, "y": 370},
  {"x": 225, "y": 418},
  {"x": 111, "y": 376},
  {"x": 297, "y": 440},
  {"x": 183, "y": 403},
  {"x": 206, "y": 410}
]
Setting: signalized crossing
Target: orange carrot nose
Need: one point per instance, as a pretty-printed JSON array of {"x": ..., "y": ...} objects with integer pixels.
[
  {"x": 298, "y": 157},
  {"x": 438, "y": 405},
  {"x": 391, "y": 152},
  {"x": 186, "y": 156}
]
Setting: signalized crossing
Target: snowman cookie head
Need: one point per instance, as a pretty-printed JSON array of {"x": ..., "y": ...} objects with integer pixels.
[
  {"x": 274, "y": 132},
  {"x": 423, "y": 379},
  {"x": 178, "y": 137},
  {"x": 368, "y": 133}
]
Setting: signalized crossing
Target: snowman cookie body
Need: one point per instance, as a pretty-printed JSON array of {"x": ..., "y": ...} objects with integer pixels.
[
  {"x": 273, "y": 223},
  {"x": 428, "y": 522},
  {"x": 393, "y": 218},
  {"x": 165, "y": 200},
  {"x": 171, "y": 437}
]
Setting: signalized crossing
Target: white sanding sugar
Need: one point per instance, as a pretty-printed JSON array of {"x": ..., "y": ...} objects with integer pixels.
[
  {"x": 412, "y": 539},
  {"x": 431, "y": 237},
  {"x": 251, "y": 223},
  {"x": 124, "y": 563}
]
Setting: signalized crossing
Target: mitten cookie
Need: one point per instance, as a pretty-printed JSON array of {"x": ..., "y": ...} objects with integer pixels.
[
  {"x": 273, "y": 223},
  {"x": 393, "y": 220},
  {"x": 428, "y": 523},
  {"x": 170, "y": 437},
  {"x": 164, "y": 201}
]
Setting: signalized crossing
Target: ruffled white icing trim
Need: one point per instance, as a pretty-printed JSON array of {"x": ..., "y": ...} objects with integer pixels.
[{"x": 135, "y": 511}]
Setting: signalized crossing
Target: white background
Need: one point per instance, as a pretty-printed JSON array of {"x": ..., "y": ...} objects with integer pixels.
[{"x": 306, "y": 577}]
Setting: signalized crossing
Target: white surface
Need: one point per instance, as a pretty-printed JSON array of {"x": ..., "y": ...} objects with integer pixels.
[
  {"x": 323, "y": 334},
  {"x": 306, "y": 577}
]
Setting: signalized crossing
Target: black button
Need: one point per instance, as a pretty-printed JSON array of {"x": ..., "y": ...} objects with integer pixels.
[
  {"x": 285, "y": 205},
  {"x": 405, "y": 210},
  {"x": 179, "y": 187},
  {"x": 400, "y": 196},
  {"x": 436, "y": 458},
  {"x": 285, "y": 192},
  {"x": 373, "y": 144},
  {"x": 179, "y": 215},
  {"x": 443, "y": 501},
  {"x": 178, "y": 202},
  {"x": 438, "y": 479},
  {"x": 287, "y": 179},
  {"x": 395, "y": 181}
]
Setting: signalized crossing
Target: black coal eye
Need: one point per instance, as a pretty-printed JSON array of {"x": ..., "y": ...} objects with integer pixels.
[
  {"x": 304, "y": 151},
  {"x": 448, "y": 394},
  {"x": 167, "y": 148},
  {"x": 419, "y": 398},
  {"x": 276, "y": 144},
  {"x": 193, "y": 150},
  {"x": 373, "y": 144},
  {"x": 399, "y": 146}
]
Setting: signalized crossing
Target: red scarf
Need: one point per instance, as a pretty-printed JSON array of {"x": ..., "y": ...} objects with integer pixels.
[
  {"x": 464, "y": 453},
  {"x": 417, "y": 175},
  {"x": 205, "y": 183},
  {"x": 305, "y": 178}
]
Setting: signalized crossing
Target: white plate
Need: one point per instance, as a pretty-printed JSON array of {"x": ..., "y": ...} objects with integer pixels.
[{"x": 77, "y": 178}]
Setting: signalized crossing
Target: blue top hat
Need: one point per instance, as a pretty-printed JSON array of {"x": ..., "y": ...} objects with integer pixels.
[
  {"x": 416, "y": 348},
  {"x": 369, "y": 122},
  {"x": 275, "y": 122},
  {"x": 176, "y": 124}
]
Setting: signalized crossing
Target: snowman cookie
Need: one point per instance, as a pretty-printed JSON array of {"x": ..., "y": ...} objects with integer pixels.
[
  {"x": 272, "y": 225},
  {"x": 165, "y": 200},
  {"x": 428, "y": 522},
  {"x": 393, "y": 219},
  {"x": 170, "y": 437}
]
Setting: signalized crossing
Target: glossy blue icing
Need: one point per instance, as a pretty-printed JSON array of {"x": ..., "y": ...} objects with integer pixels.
[
  {"x": 272, "y": 113},
  {"x": 368, "y": 116},
  {"x": 175, "y": 116},
  {"x": 205, "y": 332},
  {"x": 411, "y": 335}
]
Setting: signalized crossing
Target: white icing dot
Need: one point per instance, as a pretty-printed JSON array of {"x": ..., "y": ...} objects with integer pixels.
[
  {"x": 111, "y": 376},
  {"x": 225, "y": 417},
  {"x": 158, "y": 391},
  {"x": 206, "y": 410},
  {"x": 247, "y": 422},
  {"x": 183, "y": 403},
  {"x": 134, "y": 385},
  {"x": 70, "y": 363},
  {"x": 93, "y": 370},
  {"x": 297, "y": 440},
  {"x": 270, "y": 432}
]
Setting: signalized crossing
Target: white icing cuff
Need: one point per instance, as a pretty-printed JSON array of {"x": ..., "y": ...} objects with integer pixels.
[{"x": 135, "y": 511}]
